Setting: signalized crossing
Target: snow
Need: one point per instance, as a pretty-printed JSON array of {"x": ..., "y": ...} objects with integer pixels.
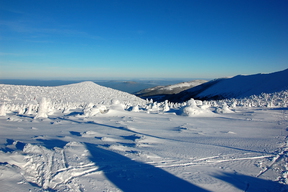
[
  {"x": 85, "y": 137},
  {"x": 169, "y": 89},
  {"x": 242, "y": 86},
  {"x": 183, "y": 85}
]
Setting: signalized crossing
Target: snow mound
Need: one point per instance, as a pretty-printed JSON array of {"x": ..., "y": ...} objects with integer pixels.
[
  {"x": 84, "y": 92},
  {"x": 191, "y": 109}
]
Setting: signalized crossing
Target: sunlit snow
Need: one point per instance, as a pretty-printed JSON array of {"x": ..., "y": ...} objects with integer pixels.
[{"x": 85, "y": 137}]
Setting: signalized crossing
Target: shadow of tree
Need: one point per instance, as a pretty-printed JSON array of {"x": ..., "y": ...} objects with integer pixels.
[
  {"x": 18, "y": 145},
  {"x": 76, "y": 133},
  {"x": 131, "y": 176},
  {"x": 251, "y": 184}
]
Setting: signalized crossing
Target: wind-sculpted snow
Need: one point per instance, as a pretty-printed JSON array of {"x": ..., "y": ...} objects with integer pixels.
[{"x": 85, "y": 137}]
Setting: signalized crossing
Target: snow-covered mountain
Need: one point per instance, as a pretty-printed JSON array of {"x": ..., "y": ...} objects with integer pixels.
[
  {"x": 83, "y": 92},
  {"x": 239, "y": 86},
  {"x": 86, "y": 137},
  {"x": 160, "y": 91},
  {"x": 246, "y": 85}
]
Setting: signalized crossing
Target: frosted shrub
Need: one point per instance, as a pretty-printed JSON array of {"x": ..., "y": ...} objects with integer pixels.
[
  {"x": 50, "y": 107},
  {"x": 224, "y": 109},
  {"x": 135, "y": 108},
  {"x": 205, "y": 105},
  {"x": 3, "y": 110},
  {"x": 191, "y": 103},
  {"x": 148, "y": 106},
  {"x": 116, "y": 105},
  {"x": 234, "y": 104},
  {"x": 29, "y": 110},
  {"x": 199, "y": 102},
  {"x": 166, "y": 106},
  {"x": 115, "y": 102},
  {"x": 21, "y": 109},
  {"x": 191, "y": 109},
  {"x": 155, "y": 107},
  {"x": 43, "y": 109},
  {"x": 65, "y": 110},
  {"x": 90, "y": 105},
  {"x": 100, "y": 109}
]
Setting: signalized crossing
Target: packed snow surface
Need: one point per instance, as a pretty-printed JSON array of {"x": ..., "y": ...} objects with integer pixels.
[{"x": 85, "y": 137}]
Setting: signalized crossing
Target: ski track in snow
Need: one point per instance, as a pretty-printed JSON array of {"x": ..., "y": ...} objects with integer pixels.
[{"x": 91, "y": 138}]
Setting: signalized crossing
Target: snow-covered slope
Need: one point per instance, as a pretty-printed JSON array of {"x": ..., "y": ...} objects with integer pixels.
[
  {"x": 169, "y": 89},
  {"x": 85, "y": 92},
  {"x": 246, "y": 85},
  {"x": 234, "y": 87},
  {"x": 85, "y": 137}
]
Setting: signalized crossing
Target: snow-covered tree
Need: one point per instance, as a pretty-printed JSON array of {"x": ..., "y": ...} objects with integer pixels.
[
  {"x": 42, "y": 109},
  {"x": 3, "y": 110}
]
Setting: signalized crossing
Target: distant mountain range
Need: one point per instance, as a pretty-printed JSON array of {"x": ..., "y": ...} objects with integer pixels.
[
  {"x": 162, "y": 91},
  {"x": 239, "y": 86}
]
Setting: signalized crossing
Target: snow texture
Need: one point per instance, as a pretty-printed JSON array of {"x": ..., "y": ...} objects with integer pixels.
[{"x": 85, "y": 137}]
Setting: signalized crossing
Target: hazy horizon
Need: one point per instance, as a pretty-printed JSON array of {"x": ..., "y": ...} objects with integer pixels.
[{"x": 130, "y": 86}]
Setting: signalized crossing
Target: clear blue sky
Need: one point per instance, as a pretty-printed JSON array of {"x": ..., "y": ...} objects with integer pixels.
[{"x": 61, "y": 39}]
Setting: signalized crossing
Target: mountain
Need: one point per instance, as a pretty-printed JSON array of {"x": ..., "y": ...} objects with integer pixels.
[
  {"x": 239, "y": 86},
  {"x": 80, "y": 92},
  {"x": 159, "y": 92}
]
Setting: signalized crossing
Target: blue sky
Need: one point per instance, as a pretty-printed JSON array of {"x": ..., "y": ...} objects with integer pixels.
[{"x": 69, "y": 39}]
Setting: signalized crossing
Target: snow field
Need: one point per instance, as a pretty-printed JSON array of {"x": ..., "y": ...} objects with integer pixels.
[{"x": 85, "y": 137}]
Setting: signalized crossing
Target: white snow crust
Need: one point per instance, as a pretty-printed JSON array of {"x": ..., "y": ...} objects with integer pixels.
[{"x": 85, "y": 137}]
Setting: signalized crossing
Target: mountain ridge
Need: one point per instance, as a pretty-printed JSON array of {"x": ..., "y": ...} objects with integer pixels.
[
  {"x": 169, "y": 89},
  {"x": 239, "y": 86}
]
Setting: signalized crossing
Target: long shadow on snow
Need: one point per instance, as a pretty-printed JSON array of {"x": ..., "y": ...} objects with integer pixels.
[
  {"x": 249, "y": 183},
  {"x": 104, "y": 125},
  {"x": 280, "y": 109},
  {"x": 131, "y": 176},
  {"x": 135, "y": 132},
  {"x": 18, "y": 145}
]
